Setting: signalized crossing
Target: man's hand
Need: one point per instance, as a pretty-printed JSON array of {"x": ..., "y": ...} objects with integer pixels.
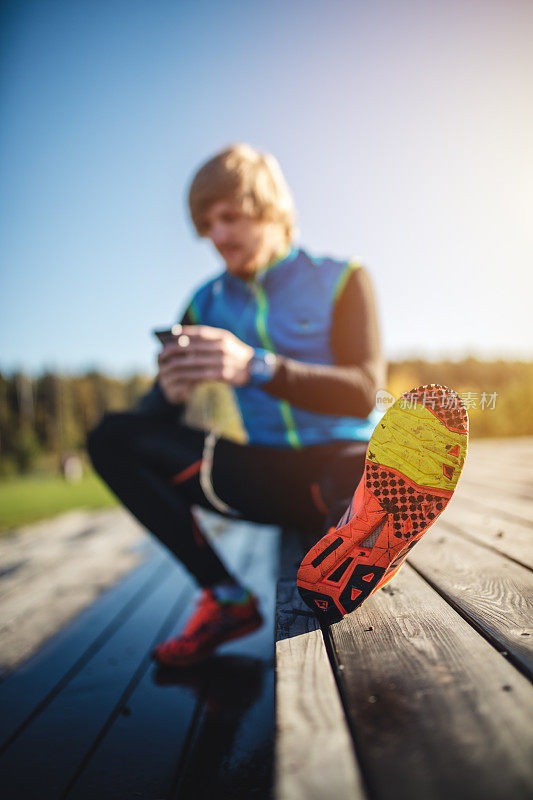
[
  {"x": 202, "y": 353},
  {"x": 172, "y": 385}
]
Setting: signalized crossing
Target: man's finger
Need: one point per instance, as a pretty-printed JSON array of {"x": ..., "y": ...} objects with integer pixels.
[
  {"x": 178, "y": 364},
  {"x": 195, "y": 375},
  {"x": 195, "y": 360},
  {"x": 191, "y": 347},
  {"x": 190, "y": 360},
  {"x": 196, "y": 332},
  {"x": 174, "y": 349}
]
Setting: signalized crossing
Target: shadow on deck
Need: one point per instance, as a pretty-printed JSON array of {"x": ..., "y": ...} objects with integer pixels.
[{"x": 91, "y": 716}]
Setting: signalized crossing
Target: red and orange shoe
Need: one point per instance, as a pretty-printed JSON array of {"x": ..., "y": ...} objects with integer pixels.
[
  {"x": 413, "y": 463},
  {"x": 211, "y": 624}
]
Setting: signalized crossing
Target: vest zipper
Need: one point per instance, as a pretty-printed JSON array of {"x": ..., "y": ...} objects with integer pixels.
[{"x": 266, "y": 341}]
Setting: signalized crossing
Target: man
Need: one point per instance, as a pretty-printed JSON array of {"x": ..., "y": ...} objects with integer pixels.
[{"x": 293, "y": 341}]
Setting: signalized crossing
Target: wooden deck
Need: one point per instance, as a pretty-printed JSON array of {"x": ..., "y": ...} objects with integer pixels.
[
  {"x": 91, "y": 716},
  {"x": 423, "y": 693}
]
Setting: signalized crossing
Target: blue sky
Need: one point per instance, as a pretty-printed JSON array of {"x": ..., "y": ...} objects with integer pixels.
[{"x": 403, "y": 128}]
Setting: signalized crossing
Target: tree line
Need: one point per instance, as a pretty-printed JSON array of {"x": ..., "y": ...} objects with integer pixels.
[{"x": 51, "y": 414}]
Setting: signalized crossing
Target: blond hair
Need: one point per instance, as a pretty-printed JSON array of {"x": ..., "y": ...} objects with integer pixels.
[{"x": 252, "y": 179}]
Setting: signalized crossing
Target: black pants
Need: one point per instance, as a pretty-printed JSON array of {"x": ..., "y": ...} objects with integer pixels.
[{"x": 152, "y": 465}]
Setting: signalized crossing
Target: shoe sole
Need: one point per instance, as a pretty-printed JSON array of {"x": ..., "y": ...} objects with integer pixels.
[
  {"x": 413, "y": 462},
  {"x": 199, "y": 657}
]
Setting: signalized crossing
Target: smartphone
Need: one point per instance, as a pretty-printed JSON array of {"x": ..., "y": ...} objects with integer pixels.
[{"x": 169, "y": 335}]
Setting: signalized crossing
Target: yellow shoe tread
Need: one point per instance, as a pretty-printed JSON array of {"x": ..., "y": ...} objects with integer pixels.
[{"x": 414, "y": 442}]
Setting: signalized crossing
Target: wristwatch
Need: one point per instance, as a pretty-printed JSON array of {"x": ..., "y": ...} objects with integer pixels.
[{"x": 261, "y": 367}]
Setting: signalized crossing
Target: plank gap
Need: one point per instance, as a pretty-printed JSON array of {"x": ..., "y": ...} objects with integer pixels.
[
  {"x": 336, "y": 668},
  {"x": 93, "y": 648},
  {"x": 122, "y": 702}
]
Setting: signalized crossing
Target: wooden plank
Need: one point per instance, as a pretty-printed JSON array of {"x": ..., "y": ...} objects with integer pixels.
[
  {"x": 291, "y": 552},
  {"x": 494, "y": 593},
  {"x": 520, "y": 486},
  {"x": 58, "y": 739},
  {"x": 230, "y": 750},
  {"x": 490, "y": 467},
  {"x": 314, "y": 752},
  {"x": 36, "y": 682},
  {"x": 493, "y": 462},
  {"x": 510, "y": 538},
  {"x": 235, "y": 727},
  {"x": 500, "y": 474},
  {"x": 170, "y": 704},
  {"x": 61, "y": 567},
  {"x": 435, "y": 710},
  {"x": 508, "y": 449},
  {"x": 513, "y": 508},
  {"x": 521, "y": 489},
  {"x": 140, "y": 744},
  {"x": 514, "y": 456}
]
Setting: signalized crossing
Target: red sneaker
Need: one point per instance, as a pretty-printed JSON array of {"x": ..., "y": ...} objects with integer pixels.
[
  {"x": 211, "y": 624},
  {"x": 413, "y": 463}
]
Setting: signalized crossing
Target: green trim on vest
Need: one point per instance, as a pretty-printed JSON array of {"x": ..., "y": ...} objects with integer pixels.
[
  {"x": 261, "y": 327},
  {"x": 193, "y": 313},
  {"x": 345, "y": 274},
  {"x": 289, "y": 251}
]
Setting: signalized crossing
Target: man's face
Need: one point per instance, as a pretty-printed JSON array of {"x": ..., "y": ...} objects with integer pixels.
[{"x": 245, "y": 243}]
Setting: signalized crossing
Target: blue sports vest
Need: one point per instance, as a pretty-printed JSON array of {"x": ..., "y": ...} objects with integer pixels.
[{"x": 288, "y": 309}]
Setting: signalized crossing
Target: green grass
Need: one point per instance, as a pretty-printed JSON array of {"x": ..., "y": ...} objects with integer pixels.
[{"x": 32, "y": 498}]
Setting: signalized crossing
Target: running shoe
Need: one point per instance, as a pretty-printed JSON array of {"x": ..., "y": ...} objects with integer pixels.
[
  {"x": 211, "y": 624},
  {"x": 413, "y": 463}
]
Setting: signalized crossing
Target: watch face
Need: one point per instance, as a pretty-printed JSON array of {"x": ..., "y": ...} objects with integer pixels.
[
  {"x": 263, "y": 366},
  {"x": 259, "y": 366}
]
